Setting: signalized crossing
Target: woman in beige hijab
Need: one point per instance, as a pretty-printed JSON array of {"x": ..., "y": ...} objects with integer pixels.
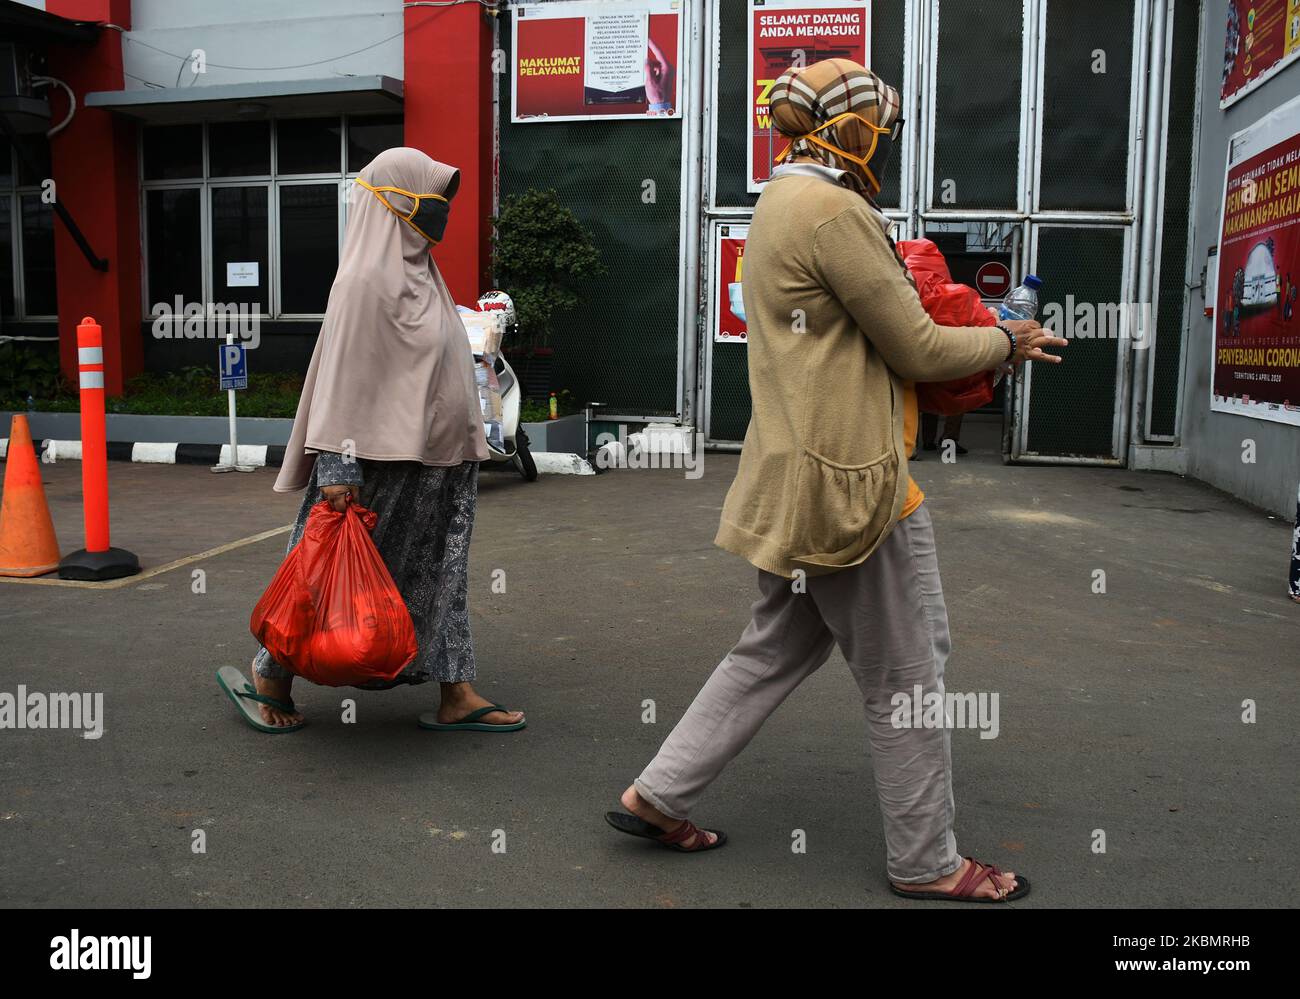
[{"x": 389, "y": 418}]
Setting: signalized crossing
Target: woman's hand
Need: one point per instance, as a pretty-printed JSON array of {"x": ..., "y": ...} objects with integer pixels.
[
  {"x": 1031, "y": 338},
  {"x": 658, "y": 76},
  {"x": 340, "y": 496}
]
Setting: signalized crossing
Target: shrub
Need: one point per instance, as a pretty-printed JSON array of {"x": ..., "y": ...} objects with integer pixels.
[{"x": 542, "y": 256}]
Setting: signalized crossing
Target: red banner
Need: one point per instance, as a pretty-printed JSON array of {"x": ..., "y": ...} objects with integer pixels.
[
  {"x": 1261, "y": 37},
  {"x": 730, "y": 325},
  {"x": 578, "y": 61},
  {"x": 1257, "y": 332},
  {"x": 785, "y": 33}
]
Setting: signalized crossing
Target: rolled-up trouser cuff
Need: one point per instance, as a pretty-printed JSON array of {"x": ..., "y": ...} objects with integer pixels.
[
  {"x": 921, "y": 879},
  {"x": 654, "y": 799},
  {"x": 267, "y": 668}
]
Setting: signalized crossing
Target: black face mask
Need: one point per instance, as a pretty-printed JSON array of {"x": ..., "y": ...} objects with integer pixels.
[{"x": 430, "y": 218}]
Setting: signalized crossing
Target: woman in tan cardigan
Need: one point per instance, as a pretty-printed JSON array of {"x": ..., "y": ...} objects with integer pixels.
[{"x": 822, "y": 503}]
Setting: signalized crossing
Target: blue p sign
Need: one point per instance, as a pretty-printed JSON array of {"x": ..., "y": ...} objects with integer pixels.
[{"x": 233, "y": 365}]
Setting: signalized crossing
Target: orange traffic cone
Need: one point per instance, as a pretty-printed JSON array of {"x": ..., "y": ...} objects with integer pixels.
[{"x": 28, "y": 546}]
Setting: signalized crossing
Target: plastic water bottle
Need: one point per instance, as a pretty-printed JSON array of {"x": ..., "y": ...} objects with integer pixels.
[{"x": 1022, "y": 302}]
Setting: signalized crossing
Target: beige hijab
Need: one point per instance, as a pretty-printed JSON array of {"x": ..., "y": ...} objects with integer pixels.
[{"x": 392, "y": 376}]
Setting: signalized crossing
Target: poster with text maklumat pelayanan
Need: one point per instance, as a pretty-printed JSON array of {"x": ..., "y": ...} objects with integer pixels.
[
  {"x": 784, "y": 34},
  {"x": 1257, "y": 315},
  {"x": 580, "y": 61}
]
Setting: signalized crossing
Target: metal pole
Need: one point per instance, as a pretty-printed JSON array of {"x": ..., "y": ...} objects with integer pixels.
[
  {"x": 692, "y": 213},
  {"x": 233, "y": 465},
  {"x": 1150, "y": 214}
]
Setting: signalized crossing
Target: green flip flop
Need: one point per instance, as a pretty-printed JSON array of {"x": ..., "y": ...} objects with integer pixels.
[
  {"x": 470, "y": 723},
  {"x": 246, "y": 698}
]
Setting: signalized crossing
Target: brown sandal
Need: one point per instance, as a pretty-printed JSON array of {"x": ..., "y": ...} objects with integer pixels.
[
  {"x": 975, "y": 875},
  {"x": 634, "y": 825}
]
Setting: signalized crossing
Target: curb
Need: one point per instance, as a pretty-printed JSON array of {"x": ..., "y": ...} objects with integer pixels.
[{"x": 253, "y": 455}]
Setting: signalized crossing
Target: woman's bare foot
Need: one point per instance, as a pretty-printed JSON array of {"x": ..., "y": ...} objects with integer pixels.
[
  {"x": 459, "y": 699},
  {"x": 280, "y": 690},
  {"x": 1005, "y": 883},
  {"x": 642, "y": 809}
]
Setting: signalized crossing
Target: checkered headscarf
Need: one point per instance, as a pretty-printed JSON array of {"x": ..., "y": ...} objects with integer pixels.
[{"x": 806, "y": 98}]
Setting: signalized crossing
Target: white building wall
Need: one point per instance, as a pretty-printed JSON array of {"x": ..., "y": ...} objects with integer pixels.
[
  {"x": 247, "y": 41},
  {"x": 1215, "y": 441}
]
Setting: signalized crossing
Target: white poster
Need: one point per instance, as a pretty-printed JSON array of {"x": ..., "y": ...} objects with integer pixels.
[
  {"x": 616, "y": 45},
  {"x": 242, "y": 274}
]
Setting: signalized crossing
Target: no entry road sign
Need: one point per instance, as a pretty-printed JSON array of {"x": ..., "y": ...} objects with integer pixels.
[{"x": 993, "y": 280}]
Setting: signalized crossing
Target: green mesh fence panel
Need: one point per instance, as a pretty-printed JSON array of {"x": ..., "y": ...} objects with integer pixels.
[
  {"x": 620, "y": 346},
  {"x": 1087, "y": 97},
  {"x": 1072, "y": 406},
  {"x": 729, "y": 402},
  {"x": 1180, "y": 127},
  {"x": 977, "y": 104}
]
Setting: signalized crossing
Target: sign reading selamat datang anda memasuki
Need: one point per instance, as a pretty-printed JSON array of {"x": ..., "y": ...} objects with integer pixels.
[
  {"x": 786, "y": 33},
  {"x": 1256, "y": 328}
]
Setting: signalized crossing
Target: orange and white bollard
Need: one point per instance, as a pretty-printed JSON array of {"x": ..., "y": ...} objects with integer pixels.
[{"x": 98, "y": 561}]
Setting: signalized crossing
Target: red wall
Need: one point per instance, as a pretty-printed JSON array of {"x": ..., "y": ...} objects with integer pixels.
[
  {"x": 95, "y": 176},
  {"x": 448, "y": 90}
]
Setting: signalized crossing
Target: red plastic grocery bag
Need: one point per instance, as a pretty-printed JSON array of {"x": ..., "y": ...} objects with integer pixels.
[
  {"x": 332, "y": 613},
  {"x": 949, "y": 304}
]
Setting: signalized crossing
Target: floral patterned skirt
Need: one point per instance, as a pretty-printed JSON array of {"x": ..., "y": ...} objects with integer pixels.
[{"x": 426, "y": 517}]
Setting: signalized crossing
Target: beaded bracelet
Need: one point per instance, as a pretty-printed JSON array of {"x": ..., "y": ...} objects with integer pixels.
[{"x": 1012, "y": 337}]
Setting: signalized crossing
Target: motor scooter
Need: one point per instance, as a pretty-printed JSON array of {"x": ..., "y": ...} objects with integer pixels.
[{"x": 500, "y": 393}]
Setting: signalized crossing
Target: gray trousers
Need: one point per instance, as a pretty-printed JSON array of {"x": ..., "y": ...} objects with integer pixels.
[{"x": 888, "y": 618}]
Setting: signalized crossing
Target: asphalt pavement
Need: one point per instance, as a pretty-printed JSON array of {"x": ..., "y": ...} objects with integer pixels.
[{"x": 1121, "y": 713}]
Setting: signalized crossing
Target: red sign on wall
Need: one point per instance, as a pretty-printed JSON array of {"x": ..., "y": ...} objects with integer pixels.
[
  {"x": 730, "y": 324},
  {"x": 1261, "y": 37},
  {"x": 1256, "y": 326},
  {"x": 993, "y": 280},
  {"x": 588, "y": 60},
  {"x": 785, "y": 33}
]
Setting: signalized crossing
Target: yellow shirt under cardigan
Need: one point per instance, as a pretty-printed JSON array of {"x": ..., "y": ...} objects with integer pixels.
[
  {"x": 911, "y": 417},
  {"x": 834, "y": 329}
]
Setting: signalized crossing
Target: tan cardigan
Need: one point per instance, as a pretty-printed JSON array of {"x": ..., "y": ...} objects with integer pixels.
[{"x": 834, "y": 329}]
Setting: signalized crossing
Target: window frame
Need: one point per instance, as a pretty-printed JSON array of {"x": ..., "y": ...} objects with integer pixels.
[
  {"x": 13, "y": 195},
  {"x": 341, "y": 178}
]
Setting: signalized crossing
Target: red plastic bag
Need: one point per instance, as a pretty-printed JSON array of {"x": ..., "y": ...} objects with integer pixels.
[
  {"x": 332, "y": 613},
  {"x": 948, "y": 304}
]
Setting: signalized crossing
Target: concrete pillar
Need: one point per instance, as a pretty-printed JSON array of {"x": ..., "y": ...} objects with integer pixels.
[
  {"x": 96, "y": 179},
  {"x": 449, "y": 80}
]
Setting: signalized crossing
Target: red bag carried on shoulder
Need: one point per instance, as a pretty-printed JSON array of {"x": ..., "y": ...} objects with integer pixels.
[
  {"x": 949, "y": 304},
  {"x": 332, "y": 613}
]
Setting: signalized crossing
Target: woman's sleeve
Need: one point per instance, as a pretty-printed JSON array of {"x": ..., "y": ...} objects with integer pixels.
[
  {"x": 336, "y": 470},
  {"x": 853, "y": 256}
]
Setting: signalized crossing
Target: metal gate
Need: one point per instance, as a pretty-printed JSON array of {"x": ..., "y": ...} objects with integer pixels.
[{"x": 1039, "y": 159}]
